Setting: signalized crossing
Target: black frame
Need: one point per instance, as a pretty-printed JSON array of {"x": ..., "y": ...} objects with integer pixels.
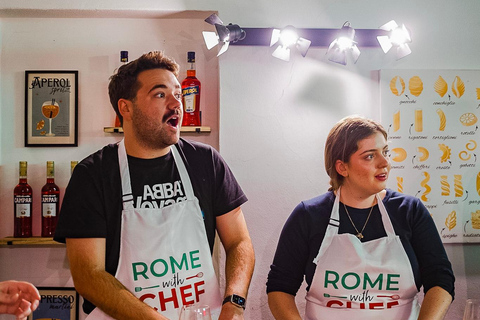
[
  {"x": 54, "y": 302},
  {"x": 57, "y": 86}
]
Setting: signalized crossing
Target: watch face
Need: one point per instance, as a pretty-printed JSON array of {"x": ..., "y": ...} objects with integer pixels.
[{"x": 238, "y": 300}]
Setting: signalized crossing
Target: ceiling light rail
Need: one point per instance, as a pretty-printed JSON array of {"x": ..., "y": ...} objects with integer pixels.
[{"x": 386, "y": 37}]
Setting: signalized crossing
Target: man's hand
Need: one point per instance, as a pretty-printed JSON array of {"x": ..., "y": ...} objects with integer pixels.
[
  {"x": 18, "y": 298},
  {"x": 231, "y": 312}
]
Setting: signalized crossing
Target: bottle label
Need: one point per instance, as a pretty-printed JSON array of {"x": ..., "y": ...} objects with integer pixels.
[
  {"x": 23, "y": 210},
  {"x": 189, "y": 96},
  {"x": 49, "y": 205}
]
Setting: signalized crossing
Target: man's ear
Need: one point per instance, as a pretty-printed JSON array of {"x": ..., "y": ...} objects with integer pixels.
[
  {"x": 125, "y": 108},
  {"x": 341, "y": 168}
]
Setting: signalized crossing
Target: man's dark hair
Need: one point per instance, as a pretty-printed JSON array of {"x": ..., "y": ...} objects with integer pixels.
[{"x": 124, "y": 84}]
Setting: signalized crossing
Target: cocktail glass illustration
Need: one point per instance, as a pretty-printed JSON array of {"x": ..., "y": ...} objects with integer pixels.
[{"x": 50, "y": 110}]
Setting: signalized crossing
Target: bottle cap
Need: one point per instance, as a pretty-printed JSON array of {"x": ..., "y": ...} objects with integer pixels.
[
  {"x": 123, "y": 56},
  {"x": 191, "y": 56}
]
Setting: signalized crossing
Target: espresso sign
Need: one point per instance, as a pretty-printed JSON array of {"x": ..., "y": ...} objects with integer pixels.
[{"x": 56, "y": 303}]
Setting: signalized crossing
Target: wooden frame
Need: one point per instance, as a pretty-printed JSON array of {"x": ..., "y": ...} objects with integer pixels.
[
  {"x": 56, "y": 303},
  {"x": 51, "y": 108}
]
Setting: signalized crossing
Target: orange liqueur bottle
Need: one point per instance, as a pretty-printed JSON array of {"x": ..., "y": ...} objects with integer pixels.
[
  {"x": 22, "y": 201},
  {"x": 191, "y": 95},
  {"x": 50, "y": 202}
]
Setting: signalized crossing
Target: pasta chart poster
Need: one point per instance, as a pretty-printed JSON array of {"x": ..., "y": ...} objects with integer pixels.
[{"x": 432, "y": 122}]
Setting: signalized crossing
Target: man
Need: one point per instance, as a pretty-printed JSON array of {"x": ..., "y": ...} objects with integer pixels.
[{"x": 139, "y": 217}]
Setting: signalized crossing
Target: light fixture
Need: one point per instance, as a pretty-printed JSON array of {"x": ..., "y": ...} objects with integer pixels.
[
  {"x": 226, "y": 34},
  {"x": 398, "y": 37},
  {"x": 286, "y": 39},
  {"x": 337, "y": 51}
]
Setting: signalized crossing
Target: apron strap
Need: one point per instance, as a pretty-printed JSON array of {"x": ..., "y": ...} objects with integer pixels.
[
  {"x": 334, "y": 223},
  {"x": 127, "y": 197},
  {"x": 182, "y": 170}
]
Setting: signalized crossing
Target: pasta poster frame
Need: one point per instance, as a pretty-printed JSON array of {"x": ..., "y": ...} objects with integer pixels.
[
  {"x": 432, "y": 118},
  {"x": 51, "y": 108}
]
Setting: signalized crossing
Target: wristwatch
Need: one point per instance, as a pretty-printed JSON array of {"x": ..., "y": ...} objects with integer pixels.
[{"x": 236, "y": 300}]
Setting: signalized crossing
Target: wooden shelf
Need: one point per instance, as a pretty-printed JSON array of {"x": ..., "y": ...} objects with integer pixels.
[
  {"x": 33, "y": 241},
  {"x": 201, "y": 129}
]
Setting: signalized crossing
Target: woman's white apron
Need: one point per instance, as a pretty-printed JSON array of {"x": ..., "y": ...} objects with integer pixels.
[
  {"x": 362, "y": 281},
  {"x": 165, "y": 257}
]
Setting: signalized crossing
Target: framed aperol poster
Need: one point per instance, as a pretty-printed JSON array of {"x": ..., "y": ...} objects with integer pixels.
[
  {"x": 432, "y": 118},
  {"x": 56, "y": 303},
  {"x": 51, "y": 108}
]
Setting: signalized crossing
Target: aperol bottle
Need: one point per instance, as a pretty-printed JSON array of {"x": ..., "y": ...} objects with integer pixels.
[{"x": 191, "y": 94}]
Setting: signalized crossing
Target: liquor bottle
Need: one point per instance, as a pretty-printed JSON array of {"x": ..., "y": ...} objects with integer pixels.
[
  {"x": 22, "y": 201},
  {"x": 191, "y": 95},
  {"x": 50, "y": 202},
  {"x": 123, "y": 60},
  {"x": 72, "y": 166}
]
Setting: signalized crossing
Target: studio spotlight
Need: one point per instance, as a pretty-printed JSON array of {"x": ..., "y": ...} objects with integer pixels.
[
  {"x": 337, "y": 51},
  {"x": 225, "y": 34},
  {"x": 399, "y": 37},
  {"x": 286, "y": 39}
]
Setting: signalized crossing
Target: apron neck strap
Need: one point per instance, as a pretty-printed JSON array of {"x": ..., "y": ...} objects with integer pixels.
[
  {"x": 182, "y": 170},
  {"x": 335, "y": 216},
  {"x": 127, "y": 197}
]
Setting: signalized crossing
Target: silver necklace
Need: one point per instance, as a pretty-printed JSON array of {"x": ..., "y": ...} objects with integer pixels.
[{"x": 360, "y": 233}]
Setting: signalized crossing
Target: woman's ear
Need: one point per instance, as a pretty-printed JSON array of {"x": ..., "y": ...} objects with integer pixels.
[{"x": 341, "y": 168}]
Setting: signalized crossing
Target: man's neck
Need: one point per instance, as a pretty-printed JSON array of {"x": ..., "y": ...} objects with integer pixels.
[{"x": 137, "y": 150}]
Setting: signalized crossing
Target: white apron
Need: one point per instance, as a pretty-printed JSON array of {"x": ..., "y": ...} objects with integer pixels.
[
  {"x": 361, "y": 281},
  {"x": 165, "y": 257}
]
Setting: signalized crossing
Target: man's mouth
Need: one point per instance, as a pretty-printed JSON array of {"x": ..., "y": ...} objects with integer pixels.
[{"x": 173, "y": 121}]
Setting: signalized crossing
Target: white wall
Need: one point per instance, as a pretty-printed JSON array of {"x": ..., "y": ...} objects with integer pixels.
[{"x": 274, "y": 115}]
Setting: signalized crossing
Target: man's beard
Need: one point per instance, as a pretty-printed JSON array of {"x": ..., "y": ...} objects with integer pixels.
[{"x": 150, "y": 133}]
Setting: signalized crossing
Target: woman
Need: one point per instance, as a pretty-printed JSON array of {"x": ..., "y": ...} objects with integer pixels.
[{"x": 364, "y": 250}]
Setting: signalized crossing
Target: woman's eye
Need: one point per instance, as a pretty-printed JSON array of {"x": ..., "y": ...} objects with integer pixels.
[
  {"x": 178, "y": 96},
  {"x": 160, "y": 95}
]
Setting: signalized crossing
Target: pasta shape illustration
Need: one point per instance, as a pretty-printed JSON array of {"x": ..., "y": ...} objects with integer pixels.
[
  {"x": 446, "y": 152},
  {"x": 471, "y": 145},
  {"x": 441, "y": 86},
  {"x": 451, "y": 220},
  {"x": 424, "y": 184},
  {"x": 457, "y": 185},
  {"x": 424, "y": 153},
  {"x": 458, "y": 87},
  {"x": 401, "y": 154},
  {"x": 445, "y": 186},
  {"x": 397, "y": 83},
  {"x": 415, "y": 85},
  {"x": 418, "y": 120},
  {"x": 463, "y": 155},
  {"x": 443, "y": 119},
  {"x": 400, "y": 184},
  {"x": 476, "y": 219},
  {"x": 478, "y": 183},
  {"x": 468, "y": 119},
  {"x": 396, "y": 121}
]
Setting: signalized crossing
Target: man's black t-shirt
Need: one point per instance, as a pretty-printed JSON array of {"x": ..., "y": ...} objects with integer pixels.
[{"x": 92, "y": 204}]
